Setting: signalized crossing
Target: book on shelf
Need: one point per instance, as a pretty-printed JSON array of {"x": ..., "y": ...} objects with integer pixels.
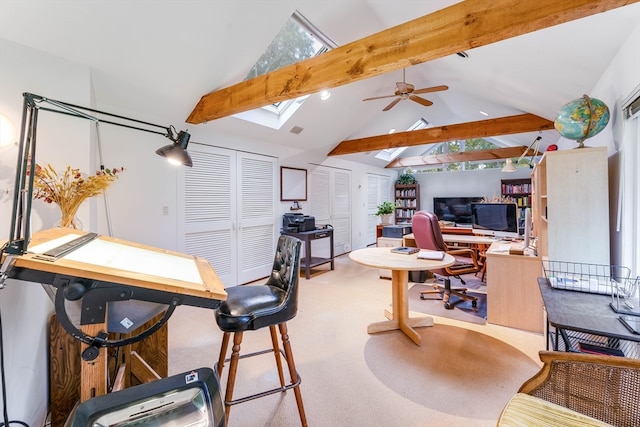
[
  {"x": 426, "y": 254},
  {"x": 404, "y": 250}
]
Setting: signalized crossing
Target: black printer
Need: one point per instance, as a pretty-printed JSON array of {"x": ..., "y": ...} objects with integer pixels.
[{"x": 298, "y": 222}]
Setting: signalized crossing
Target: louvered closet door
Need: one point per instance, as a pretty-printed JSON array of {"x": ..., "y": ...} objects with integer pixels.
[
  {"x": 229, "y": 203},
  {"x": 330, "y": 203},
  {"x": 378, "y": 191},
  {"x": 210, "y": 209},
  {"x": 341, "y": 211},
  {"x": 256, "y": 177}
]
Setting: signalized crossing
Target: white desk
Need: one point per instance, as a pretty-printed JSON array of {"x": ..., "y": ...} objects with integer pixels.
[{"x": 400, "y": 265}]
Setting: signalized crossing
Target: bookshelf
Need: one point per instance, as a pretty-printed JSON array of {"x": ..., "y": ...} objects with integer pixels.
[
  {"x": 519, "y": 190},
  {"x": 407, "y": 201}
]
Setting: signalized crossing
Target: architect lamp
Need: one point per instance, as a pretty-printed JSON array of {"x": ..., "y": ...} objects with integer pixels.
[
  {"x": 20, "y": 219},
  {"x": 510, "y": 167}
]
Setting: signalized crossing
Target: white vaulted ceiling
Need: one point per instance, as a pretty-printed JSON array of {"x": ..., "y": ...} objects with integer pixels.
[{"x": 160, "y": 57}]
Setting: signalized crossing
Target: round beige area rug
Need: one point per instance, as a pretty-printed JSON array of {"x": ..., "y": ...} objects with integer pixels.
[{"x": 455, "y": 370}]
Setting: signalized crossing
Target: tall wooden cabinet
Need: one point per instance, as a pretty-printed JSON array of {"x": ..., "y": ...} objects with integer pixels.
[
  {"x": 571, "y": 205},
  {"x": 407, "y": 201}
]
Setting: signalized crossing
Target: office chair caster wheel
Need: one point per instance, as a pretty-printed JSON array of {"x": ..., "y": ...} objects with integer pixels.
[{"x": 448, "y": 306}]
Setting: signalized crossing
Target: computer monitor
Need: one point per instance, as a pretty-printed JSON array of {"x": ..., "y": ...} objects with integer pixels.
[
  {"x": 495, "y": 219},
  {"x": 454, "y": 209}
]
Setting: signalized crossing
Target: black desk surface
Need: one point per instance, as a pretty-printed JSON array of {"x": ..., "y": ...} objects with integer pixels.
[{"x": 583, "y": 312}]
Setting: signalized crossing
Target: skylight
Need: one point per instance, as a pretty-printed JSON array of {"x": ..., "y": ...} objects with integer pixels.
[
  {"x": 389, "y": 154},
  {"x": 298, "y": 40}
]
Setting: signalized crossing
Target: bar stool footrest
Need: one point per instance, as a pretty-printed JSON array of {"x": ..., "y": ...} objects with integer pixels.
[{"x": 281, "y": 389}]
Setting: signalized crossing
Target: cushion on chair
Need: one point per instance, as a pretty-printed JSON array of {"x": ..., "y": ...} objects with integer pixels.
[
  {"x": 524, "y": 410},
  {"x": 251, "y": 307},
  {"x": 247, "y": 303}
]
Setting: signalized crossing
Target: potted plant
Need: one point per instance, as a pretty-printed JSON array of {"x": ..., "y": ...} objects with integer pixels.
[
  {"x": 406, "y": 179},
  {"x": 385, "y": 212}
]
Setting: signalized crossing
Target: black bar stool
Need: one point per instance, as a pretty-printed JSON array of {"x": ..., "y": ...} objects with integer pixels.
[{"x": 249, "y": 308}]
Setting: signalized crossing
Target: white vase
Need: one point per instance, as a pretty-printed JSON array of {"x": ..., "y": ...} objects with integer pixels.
[{"x": 386, "y": 219}]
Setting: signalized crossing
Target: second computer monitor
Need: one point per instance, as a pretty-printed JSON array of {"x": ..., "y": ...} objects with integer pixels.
[{"x": 495, "y": 219}]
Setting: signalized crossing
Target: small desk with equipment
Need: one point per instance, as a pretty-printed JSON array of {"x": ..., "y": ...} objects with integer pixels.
[{"x": 304, "y": 228}]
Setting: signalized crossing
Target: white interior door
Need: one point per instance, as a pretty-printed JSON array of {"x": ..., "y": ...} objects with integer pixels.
[
  {"x": 210, "y": 209},
  {"x": 378, "y": 191},
  {"x": 341, "y": 212},
  {"x": 330, "y": 203},
  {"x": 256, "y": 177},
  {"x": 229, "y": 212}
]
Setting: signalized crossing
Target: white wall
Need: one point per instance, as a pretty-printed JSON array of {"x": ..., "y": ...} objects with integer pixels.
[
  {"x": 25, "y": 307},
  {"x": 620, "y": 79}
]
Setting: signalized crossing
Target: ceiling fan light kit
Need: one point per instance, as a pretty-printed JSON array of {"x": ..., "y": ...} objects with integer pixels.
[{"x": 406, "y": 90}]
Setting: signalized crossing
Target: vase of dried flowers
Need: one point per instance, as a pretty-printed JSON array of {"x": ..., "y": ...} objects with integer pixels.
[{"x": 69, "y": 189}]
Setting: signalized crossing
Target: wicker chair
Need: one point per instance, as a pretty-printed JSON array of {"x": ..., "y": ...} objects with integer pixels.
[{"x": 573, "y": 385}]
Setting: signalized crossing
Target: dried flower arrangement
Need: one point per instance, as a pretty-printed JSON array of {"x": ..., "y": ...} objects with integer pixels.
[{"x": 70, "y": 189}]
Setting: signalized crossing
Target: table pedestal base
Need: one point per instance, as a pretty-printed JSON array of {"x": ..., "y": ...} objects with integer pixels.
[{"x": 406, "y": 326}]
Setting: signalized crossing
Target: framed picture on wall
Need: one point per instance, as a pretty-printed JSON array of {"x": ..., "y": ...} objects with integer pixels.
[{"x": 293, "y": 184}]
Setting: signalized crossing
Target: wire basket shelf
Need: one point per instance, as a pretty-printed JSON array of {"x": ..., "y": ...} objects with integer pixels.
[{"x": 602, "y": 279}]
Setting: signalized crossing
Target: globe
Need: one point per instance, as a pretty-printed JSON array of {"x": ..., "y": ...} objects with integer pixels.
[{"x": 582, "y": 118}]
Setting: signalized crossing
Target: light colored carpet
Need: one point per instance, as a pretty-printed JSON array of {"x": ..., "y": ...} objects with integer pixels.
[
  {"x": 433, "y": 305},
  {"x": 462, "y": 375}
]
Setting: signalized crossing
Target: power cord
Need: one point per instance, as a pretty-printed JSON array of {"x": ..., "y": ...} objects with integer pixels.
[{"x": 4, "y": 385}]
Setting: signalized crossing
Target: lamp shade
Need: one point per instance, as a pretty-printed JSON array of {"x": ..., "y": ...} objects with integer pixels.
[
  {"x": 508, "y": 166},
  {"x": 177, "y": 153}
]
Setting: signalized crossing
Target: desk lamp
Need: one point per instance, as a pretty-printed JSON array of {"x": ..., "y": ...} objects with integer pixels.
[
  {"x": 510, "y": 167},
  {"x": 20, "y": 219}
]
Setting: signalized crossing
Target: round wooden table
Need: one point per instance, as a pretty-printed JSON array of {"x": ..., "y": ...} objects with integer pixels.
[{"x": 400, "y": 265}]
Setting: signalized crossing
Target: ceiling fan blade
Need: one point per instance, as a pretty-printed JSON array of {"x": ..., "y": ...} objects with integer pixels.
[
  {"x": 378, "y": 97},
  {"x": 422, "y": 101},
  {"x": 430, "y": 89},
  {"x": 390, "y": 106}
]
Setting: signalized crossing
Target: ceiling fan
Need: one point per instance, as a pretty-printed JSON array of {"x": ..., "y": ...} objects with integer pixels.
[{"x": 406, "y": 90}]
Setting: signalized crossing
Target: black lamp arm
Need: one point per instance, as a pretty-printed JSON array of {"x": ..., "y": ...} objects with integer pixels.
[{"x": 20, "y": 220}]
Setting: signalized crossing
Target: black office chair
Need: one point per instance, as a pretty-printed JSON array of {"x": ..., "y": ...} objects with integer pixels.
[
  {"x": 250, "y": 308},
  {"x": 427, "y": 234}
]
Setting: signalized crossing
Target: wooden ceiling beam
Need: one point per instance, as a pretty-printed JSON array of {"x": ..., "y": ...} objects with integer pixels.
[
  {"x": 481, "y": 129},
  {"x": 467, "y": 156},
  {"x": 462, "y": 26}
]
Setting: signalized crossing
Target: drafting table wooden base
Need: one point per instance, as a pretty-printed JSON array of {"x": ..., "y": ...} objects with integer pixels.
[
  {"x": 106, "y": 270},
  {"x": 65, "y": 366}
]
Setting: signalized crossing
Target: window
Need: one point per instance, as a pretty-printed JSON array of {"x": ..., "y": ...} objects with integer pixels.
[
  {"x": 475, "y": 144},
  {"x": 298, "y": 40}
]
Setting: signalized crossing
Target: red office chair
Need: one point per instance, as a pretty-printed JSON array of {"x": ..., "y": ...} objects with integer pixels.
[{"x": 426, "y": 231}]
